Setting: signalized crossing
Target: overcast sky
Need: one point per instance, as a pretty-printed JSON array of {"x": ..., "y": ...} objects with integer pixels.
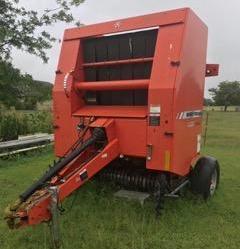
[{"x": 222, "y": 18}]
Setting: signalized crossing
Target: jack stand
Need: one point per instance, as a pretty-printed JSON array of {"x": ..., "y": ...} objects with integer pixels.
[
  {"x": 174, "y": 193},
  {"x": 159, "y": 194},
  {"x": 54, "y": 225}
]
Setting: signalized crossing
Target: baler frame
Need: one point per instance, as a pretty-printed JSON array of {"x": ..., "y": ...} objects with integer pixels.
[{"x": 167, "y": 114}]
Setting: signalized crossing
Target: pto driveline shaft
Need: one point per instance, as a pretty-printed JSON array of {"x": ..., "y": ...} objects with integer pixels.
[{"x": 98, "y": 134}]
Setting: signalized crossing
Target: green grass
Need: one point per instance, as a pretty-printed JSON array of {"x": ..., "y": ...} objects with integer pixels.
[
  {"x": 98, "y": 220},
  {"x": 221, "y": 108}
]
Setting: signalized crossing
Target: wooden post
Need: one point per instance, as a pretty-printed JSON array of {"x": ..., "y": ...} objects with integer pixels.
[
  {"x": 54, "y": 225},
  {"x": 206, "y": 127}
]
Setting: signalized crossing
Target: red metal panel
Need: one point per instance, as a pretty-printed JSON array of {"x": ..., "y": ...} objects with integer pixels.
[
  {"x": 189, "y": 92},
  {"x": 63, "y": 105},
  {"x": 161, "y": 92},
  {"x": 132, "y": 141},
  {"x": 140, "y": 22},
  {"x": 212, "y": 70},
  {"x": 131, "y": 133},
  {"x": 112, "y": 111}
]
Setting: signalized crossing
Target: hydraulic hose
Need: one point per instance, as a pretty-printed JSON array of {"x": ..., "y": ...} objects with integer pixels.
[{"x": 98, "y": 134}]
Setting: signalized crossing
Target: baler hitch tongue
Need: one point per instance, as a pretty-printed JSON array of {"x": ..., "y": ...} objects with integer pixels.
[{"x": 16, "y": 213}]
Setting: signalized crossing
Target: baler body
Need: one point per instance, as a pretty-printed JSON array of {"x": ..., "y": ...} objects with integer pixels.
[
  {"x": 147, "y": 74},
  {"x": 127, "y": 94}
]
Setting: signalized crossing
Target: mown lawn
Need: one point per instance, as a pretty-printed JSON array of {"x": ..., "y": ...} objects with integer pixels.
[{"x": 95, "y": 219}]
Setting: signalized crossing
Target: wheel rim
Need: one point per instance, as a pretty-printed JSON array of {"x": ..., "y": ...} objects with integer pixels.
[{"x": 213, "y": 184}]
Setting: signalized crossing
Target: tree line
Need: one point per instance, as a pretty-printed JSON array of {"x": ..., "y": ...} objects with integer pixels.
[
  {"x": 227, "y": 93},
  {"x": 20, "y": 90},
  {"x": 26, "y": 29}
]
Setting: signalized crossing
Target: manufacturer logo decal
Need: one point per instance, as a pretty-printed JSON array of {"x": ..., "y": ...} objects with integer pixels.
[{"x": 117, "y": 25}]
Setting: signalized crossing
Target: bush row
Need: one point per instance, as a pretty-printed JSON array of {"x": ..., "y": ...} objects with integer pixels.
[{"x": 14, "y": 123}]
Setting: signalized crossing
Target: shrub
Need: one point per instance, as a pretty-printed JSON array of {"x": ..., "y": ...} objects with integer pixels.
[
  {"x": 9, "y": 125},
  {"x": 14, "y": 123}
]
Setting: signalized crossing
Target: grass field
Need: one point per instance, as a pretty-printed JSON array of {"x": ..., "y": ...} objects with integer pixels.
[
  {"x": 98, "y": 220},
  {"x": 221, "y": 108}
]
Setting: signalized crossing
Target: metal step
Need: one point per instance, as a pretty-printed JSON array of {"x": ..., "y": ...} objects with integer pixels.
[{"x": 132, "y": 195}]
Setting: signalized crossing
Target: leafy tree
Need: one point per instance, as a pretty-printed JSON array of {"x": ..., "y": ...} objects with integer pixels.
[
  {"x": 20, "y": 90},
  {"x": 227, "y": 93},
  {"x": 25, "y": 29},
  {"x": 208, "y": 102}
]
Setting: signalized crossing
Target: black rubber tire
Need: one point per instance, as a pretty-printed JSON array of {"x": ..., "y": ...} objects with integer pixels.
[{"x": 201, "y": 176}]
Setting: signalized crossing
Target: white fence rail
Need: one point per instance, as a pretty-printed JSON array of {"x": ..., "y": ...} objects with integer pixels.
[{"x": 25, "y": 143}]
